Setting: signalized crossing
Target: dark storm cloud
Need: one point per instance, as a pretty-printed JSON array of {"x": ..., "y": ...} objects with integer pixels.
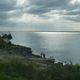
[
  {"x": 73, "y": 15},
  {"x": 10, "y": 10},
  {"x": 74, "y": 12},
  {"x": 39, "y": 7},
  {"x": 75, "y": 18},
  {"x": 43, "y": 6},
  {"x": 7, "y": 5},
  {"x": 4, "y": 19}
]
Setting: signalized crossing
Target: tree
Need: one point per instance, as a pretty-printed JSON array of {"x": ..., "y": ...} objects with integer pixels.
[
  {"x": 7, "y": 36},
  {"x": 5, "y": 41}
]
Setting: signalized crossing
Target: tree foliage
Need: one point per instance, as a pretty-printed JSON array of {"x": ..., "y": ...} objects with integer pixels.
[{"x": 5, "y": 41}]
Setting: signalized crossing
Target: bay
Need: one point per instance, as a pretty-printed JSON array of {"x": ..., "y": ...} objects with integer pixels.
[{"x": 64, "y": 46}]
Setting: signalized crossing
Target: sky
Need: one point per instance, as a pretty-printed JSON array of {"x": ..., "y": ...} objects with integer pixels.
[{"x": 40, "y": 15}]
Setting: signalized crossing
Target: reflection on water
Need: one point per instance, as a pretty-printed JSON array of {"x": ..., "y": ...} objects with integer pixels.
[{"x": 61, "y": 45}]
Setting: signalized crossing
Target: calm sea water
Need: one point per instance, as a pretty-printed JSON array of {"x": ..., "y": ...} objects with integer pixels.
[{"x": 63, "y": 46}]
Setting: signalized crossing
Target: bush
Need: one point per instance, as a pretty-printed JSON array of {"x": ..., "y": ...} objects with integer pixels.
[{"x": 17, "y": 69}]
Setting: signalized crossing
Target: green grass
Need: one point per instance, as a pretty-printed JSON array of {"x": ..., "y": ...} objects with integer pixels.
[{"x": 24, "y": 69}]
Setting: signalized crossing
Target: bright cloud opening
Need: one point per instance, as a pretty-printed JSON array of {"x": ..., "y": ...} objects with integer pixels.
[{"x": 73, "y": 2}]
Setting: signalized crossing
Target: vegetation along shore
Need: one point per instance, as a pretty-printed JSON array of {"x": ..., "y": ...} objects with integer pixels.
[{"x": 19, "y": 63}]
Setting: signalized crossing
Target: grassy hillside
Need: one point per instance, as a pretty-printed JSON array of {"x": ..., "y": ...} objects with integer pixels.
[
  {"x": 28, "y": 69},
  {"x": 8, "y": 48}
]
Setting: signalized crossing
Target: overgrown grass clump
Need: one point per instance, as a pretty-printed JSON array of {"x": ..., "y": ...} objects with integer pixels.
[
  {"x": 15, "y": 69},
  {"x": 23, "y": 69}
]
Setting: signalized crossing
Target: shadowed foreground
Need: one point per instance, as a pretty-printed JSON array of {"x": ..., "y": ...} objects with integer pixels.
[{"x": 17, "y": 68}]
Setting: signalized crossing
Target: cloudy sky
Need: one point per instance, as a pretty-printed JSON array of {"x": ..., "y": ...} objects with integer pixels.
[{"x": 40, "y": 15}]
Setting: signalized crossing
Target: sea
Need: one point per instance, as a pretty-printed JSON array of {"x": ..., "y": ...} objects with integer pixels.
[{"x": 63, "y": 46}]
